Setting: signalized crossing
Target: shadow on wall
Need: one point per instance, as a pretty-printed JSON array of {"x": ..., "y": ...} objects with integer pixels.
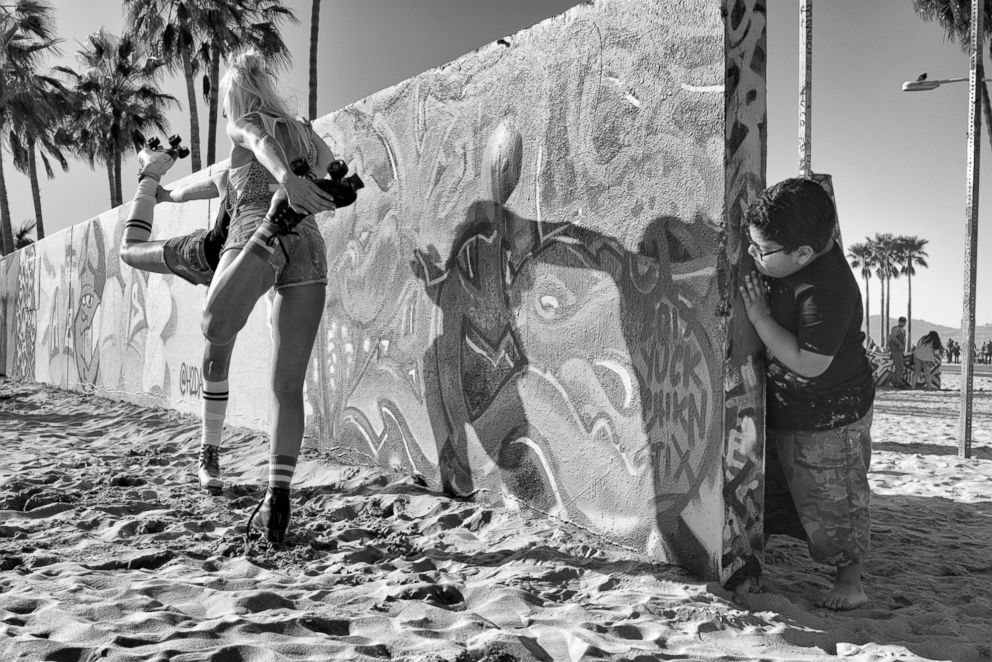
[
  {"x": 570, "y": 374},
  {"x": 563, "y": 339},
  {"x": 538, "y": 360}
]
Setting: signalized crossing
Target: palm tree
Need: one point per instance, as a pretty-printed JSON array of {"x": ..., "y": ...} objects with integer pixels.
[
  {"x": 883, "y": 256},
  {"x": 194, "y": 34},
  {"x": 22, "y": 237},
  {"x": 314, "y": 28},
  {"x": 172, "y": 29},
  {"x": 35, "y": 120},
  {"x": 860, "y": 255},
  {"x": 26, "y": 34},
  {"x": 911, "y": 254},
  {"x": 954, "y": 16},
  {"x": 113, "y": 103}
]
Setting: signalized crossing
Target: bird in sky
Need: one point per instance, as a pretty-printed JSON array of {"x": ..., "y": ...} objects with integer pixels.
[{"x": 922, "y": 77}]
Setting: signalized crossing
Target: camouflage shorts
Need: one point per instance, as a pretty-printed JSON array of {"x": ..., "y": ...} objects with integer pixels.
[{"x": 816, "y": 489}]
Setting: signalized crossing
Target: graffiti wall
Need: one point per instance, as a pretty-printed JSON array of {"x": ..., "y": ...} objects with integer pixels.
[
  {"x": 75, "y": 316},
  {"x": 532, "y": 299}
]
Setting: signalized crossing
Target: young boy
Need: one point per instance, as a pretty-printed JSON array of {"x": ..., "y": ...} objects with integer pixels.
[{"x": 820, "y": 390}]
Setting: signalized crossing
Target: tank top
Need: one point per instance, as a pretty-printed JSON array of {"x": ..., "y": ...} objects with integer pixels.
[{"x": 249, "y": 182}]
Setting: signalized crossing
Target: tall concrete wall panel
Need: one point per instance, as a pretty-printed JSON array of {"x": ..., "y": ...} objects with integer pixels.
[
  {"x": 532, "y": 300},
  {"x": 77, "y": 317}
]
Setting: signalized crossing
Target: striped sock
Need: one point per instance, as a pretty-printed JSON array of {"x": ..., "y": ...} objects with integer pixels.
[
  {"x": 264, "y": 242},
  {"x": 214, "y": 411},
  {"x": 281, "y": 470},
  {"x": 142, "y": 207}
]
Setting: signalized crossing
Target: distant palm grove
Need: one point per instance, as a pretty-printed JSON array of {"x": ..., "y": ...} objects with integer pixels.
[
  {"x": 102, "y": 110},
  {"x": 886, "y": 257}
]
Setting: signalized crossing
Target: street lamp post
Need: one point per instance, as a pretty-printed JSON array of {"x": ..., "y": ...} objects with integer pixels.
[
  {"x": 805, "y": 88},
  {"x": 971, "y": 227}
]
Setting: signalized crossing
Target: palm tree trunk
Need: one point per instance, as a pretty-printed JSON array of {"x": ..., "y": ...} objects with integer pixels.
[
  {"x": 7, "y": 245},
  {"x": 194, "y": 114},
  {"x": 213, "y": 102},
  {"x": 888, "y": 305},
  {"x": 39, "y": 227},
  {"x": 314, "y": 27},
  {"x": 884, "y": 312},
  {"x": 986, "y": 107},
  {"x": 867, "y": 309},
  {"x": 117, "y": 180},
  {"x": 881, "y": 309},
  {"x": 110, "y": 180},
  {"x": 909, "y": 309}
]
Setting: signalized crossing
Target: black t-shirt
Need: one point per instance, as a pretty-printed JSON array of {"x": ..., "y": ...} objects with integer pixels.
[{"x": 821, "y": 305}]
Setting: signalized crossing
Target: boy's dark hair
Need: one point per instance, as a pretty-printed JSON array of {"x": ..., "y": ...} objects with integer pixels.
[{"x": 795, "y": 212}]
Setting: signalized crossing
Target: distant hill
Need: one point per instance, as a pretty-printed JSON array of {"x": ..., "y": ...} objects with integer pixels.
[{"x": 921, "y": 327}]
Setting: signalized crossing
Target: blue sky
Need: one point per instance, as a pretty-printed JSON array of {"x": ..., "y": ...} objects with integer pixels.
[{"x": 898, "y": 159}]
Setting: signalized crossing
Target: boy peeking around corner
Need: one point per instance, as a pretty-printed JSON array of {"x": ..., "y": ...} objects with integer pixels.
[{"x": 806, "y": 307}]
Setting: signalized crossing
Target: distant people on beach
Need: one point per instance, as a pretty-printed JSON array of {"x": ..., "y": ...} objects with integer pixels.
[
  {"x": 926, "y": 358},
  {"x": 897, "y": 349},
  {"x": 820, "y": 389},
  {"x": 953, "y": 351}
]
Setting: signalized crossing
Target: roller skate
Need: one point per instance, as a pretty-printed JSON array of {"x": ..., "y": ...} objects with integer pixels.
[
  {"x": 154, "y": 161},
  {"x": 343, "y": 189}
]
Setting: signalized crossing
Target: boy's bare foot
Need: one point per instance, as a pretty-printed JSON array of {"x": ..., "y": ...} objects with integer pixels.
[{"x": 847, "y": 592}]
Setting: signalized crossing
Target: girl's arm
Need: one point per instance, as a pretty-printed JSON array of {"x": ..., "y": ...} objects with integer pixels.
[
  {"x": 304, "y": 195},
  {"x": 324, "y": 153},
  {"x": 208, "y": 186}
]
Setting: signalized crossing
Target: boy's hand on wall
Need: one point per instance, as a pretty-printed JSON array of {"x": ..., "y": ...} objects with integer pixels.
[{"x": 755, "y": 298}]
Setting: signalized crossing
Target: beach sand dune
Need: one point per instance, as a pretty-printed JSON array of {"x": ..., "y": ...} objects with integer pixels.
[{"x": 108, "y": 551}]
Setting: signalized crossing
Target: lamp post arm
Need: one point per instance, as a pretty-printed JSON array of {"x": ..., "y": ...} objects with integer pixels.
[
  {"x": 927, "y": 85},
  {"x": 953, "y": 80}
]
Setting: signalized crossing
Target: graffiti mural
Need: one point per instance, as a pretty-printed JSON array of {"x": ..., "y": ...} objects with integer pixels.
[
  {"x": 532, "y": 299},
  {"x": 18, "y": 305},
  {"x": 190, "y": 380},
  {"x": 743, "y": 470},
  {"x": 101, "y": 324},
  {"x": 535, "y": 280}
]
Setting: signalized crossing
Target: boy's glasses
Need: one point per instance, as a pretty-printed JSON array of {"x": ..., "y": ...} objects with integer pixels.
[{"x": 760, "y": 253}]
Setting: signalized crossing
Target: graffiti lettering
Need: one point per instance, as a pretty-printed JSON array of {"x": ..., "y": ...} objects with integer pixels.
[{"x": 190, "y": 382}]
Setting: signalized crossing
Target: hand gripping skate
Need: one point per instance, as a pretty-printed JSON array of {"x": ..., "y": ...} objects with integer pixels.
[
  {"x": 343, "y": 189},
  {"x": 154, "y": 161}
]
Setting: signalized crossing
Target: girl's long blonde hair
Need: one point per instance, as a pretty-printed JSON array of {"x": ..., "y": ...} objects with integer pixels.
[{"x": 247, "y": 87}]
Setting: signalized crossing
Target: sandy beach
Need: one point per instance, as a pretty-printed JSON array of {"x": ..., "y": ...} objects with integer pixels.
[{"x": 109, "y": 551}]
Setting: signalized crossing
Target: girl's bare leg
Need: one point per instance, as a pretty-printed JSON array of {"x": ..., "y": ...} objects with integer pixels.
[
  {"x": 296, "y": 317},
  {"x": 216, "y": 367},
  {"x": 241, "y": 278},
  {"x": 136, "y": 250},
  {"x": 145, "y": 255}
]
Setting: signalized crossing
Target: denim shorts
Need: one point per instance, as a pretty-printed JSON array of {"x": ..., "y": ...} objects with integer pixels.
[
  {"x": 816, "y": 489},
  {"x": 307, "y": 254},
  {"x": 185, "y": 257}
]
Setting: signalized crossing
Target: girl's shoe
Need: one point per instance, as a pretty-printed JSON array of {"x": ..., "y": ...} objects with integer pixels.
[
  {"x": 208, "y": 469},
  {"x": 271, "y": 515}
]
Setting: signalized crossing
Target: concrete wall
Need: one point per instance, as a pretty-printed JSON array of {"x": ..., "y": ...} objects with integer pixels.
[{"x": 532, "y": 298}]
